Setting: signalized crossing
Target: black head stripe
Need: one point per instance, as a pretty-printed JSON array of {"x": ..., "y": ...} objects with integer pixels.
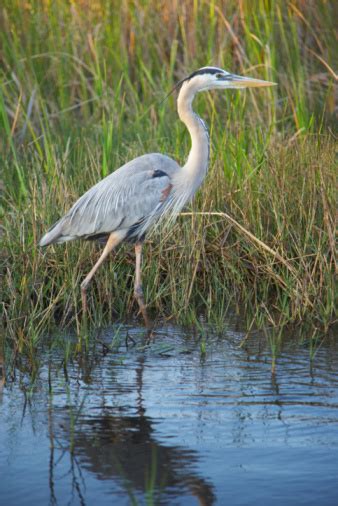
[
  {"x": 205, "y": 70},
  {"x": 200, "y": 72}
]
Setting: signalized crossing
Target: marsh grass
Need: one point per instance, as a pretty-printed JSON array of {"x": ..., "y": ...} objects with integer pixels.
[{"x": 81, "y": 92}]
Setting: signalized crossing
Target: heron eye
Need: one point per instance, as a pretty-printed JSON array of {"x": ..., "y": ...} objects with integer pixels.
[{"x": 219, "y": 75}]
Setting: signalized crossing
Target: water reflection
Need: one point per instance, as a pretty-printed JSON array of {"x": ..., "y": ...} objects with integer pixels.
[
  {"x": 164, "y": 424},
  {"x": 2, "y": 366},
  {"x": 124, "y": 449}
]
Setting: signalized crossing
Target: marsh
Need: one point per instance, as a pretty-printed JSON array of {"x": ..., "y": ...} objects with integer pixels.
[{"x": 235, "y": 400}]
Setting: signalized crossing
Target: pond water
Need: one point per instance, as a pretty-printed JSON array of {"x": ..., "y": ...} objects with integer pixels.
[{"x": 166, "y": 424}]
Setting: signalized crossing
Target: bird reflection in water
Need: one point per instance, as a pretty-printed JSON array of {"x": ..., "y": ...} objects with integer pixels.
[{"x": 125, "y": 449}]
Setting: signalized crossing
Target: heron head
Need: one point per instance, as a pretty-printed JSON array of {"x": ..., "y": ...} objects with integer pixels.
[{"x": 211, "y": 78}]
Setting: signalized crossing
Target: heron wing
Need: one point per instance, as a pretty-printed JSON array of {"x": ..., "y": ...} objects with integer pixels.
[{"x": 131, "y": 195}]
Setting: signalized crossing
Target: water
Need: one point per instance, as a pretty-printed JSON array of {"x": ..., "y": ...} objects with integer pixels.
[{"x": 165, "y": 424}]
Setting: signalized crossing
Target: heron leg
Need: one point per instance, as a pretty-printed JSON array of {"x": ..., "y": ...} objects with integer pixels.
[
  {"x": 113, "y": 240},
  {"x": 138, "y": 291}
]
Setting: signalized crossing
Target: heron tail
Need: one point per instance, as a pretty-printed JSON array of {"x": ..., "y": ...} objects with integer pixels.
[{"x": 55, "y": 235}]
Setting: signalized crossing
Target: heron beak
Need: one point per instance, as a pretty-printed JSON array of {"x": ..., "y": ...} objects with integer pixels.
[{"x": 247, "y": 82}]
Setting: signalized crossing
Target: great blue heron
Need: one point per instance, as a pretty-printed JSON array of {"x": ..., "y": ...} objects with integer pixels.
[{"x": 125, "y": 205}]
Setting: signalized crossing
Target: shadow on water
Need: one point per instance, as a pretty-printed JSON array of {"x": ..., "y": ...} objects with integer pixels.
[{"x": 172, "y": 423}]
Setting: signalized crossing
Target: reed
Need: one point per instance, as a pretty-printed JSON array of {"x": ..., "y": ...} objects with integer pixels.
[{"x": 81, "y": 90}]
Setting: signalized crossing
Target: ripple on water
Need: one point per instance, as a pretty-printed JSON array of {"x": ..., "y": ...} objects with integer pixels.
[{"x": 164, "y": 423}]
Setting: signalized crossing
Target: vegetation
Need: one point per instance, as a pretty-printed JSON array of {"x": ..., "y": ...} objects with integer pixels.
[{"x": 82, "y": 84}]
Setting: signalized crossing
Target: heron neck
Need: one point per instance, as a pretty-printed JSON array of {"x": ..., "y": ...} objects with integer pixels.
[{"x": 196, "y": 166}]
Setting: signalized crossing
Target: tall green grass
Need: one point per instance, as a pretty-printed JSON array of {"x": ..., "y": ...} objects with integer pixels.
[{"x": 81, "y": 90}]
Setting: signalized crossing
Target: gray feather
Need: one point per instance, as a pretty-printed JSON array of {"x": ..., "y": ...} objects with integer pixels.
[{"x": 126, "y": 197}]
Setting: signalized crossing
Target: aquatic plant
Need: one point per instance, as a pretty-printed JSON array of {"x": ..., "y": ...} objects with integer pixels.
[{"x": 81, "y": 90}]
